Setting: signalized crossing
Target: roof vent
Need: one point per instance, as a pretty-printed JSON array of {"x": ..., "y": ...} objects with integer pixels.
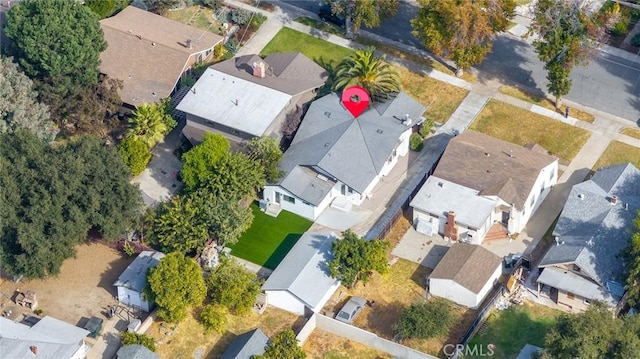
[
  {"x": 328, "y": 114},
  {"x": 558, "y": 241},
  {"x": 580, "y": 195},
  {"x": 407, "y": 120},
  {"x": 189, "y": 44},
  {"x": 626, "y": 206},
  {"x": 511, "y": 153},
  {"x": 613, "y": 200},
  {"x": 34, "y": 349},
  {"x": 379, "y": 131},
  {"x": 487, "y": 154},
  {"x": 153, "y": 44},
  {"x": 441, "y": 184}
]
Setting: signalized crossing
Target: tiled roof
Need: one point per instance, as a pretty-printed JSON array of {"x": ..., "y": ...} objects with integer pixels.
[{"x": 492, "y": 166}]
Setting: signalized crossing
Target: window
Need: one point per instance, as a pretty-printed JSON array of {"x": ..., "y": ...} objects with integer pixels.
[
  {"x": 570, "y": 295},
  {"x": 289, "y": 199},
  {"x": 533, "y": 201},
  {"x": 576, "y": 268},
  {"x": 553, "y": 171},
  {"x": 587, "y": 301}
]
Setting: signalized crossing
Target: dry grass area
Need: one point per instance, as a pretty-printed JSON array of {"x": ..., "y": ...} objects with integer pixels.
[
  {"x": 618, "y": 153},
  {"x": 440, "y": 98},
  {"x": 631, "y": 132},
  {"x": 398, "y": 230},
  {"x": 324, "y": 345},
  {"x": 420, "y": 60},
  {"x": 516, "y": 125},
  {"x": 190, "y": 336},
  {"x": 200, "y": 17},
  {"x": 546, "y": 103},
  {"x": 391, "y": 294}
]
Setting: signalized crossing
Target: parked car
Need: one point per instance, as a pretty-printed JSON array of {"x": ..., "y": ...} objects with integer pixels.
[
  {"x": 350, "y": 310},
  {"x": 326, "y": 14}
]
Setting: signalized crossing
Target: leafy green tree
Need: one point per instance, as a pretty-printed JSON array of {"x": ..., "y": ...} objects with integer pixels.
[
  {"x": 632, "y": 260},
  {"x": 425, "y": 319},
  {"x": 53, "y": 195},
  {"x": 461, "y": 30},
  {"x": 283, "y": 346},
  {"x": 267, "y": 152},
  {"x": 175, "y": 285},
  {"x": 368, "y": 13},
  {"x": 364, "y": 68},
  {"x": 226, "y": 219},
  {"x": 198, "y": 162},
  {"x": 235, "y": 176},
  {"x": 102, "y": 8},
  {"x": 233, "y": 286},
  {"x": 161, "y": 6},
  {"x": 415, "y": 142},
  {"x": 356, "y": 257},
  {"x": 19, "y": 107},
  {"x": 135, "y": 155},
  {"x": 178, "y": 225},
  {"x": 57, "y": 43},
  {"x": 214, "y": 318},
  {"x": 566, "y": 38},
  {"x": 130, "y": 338},
  {"x": 150, "y": 123}
]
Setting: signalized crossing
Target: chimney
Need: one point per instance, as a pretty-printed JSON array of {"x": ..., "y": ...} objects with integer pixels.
[
  {"x": 613, "y": 200},
  {"x": 259, "y": 69},
  {"x": 34, "y": 349},
  {"x": 189, "y": 44},
  {"x": 451, "y": 228}
]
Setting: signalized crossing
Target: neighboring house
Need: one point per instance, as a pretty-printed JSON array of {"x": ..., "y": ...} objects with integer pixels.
[
  {"x": 247, "y": 345},
  {"x": 248, "y": 96},
  {"x": 465, "y": 275},
  {"x": 302, "y": 281},
  {"x": 48, "y": 338},
  {"x": 133, "y": 280},
  {"x": 336, "y": 159},
  {"x": 585, "y": 262},
  {"x": 481, "y": 181},
  {"x": 150, "y": 53},
  {"x": 136, "y": 351}
]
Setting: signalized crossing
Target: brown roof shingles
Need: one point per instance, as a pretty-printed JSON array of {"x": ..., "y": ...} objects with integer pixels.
[
  {"x": 469, "y": 265},
  {"x": 492, "y": 166},
  {"x": 148, "y": 53}
]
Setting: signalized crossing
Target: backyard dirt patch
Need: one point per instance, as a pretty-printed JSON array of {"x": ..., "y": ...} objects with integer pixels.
[
  {"x": 321, "y": 344},
  {"x": 84, "y": 287}
]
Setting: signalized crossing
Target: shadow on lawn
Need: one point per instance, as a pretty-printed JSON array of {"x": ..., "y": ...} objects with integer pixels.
[{"x": 278, "y": 255}]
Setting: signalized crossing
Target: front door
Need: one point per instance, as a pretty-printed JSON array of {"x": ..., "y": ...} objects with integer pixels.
[
  {"x": 343, "y": 190},
  {"x": 278, "y": 197},
  {"x": 505, "y": 217}
]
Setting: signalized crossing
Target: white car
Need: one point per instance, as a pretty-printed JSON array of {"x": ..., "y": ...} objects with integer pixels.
[{"x": 350, "y": 310}]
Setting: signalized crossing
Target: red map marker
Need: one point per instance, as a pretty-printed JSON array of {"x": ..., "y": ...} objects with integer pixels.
[{"x": 355, "y": 99}]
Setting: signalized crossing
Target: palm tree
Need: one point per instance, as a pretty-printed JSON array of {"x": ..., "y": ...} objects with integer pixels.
[
  {"x": 147, "y": 124},
  {"x": 365, "y": 69}
]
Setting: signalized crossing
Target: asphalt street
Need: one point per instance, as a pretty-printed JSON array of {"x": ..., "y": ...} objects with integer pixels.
[{"x": 608, "y": 83}]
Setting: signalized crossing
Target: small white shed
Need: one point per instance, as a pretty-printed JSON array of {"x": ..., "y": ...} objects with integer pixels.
[
  {"x": 302, "y": 280},
  {"x": 465, "y": 275},
  {"x": 133, "y": 280}
]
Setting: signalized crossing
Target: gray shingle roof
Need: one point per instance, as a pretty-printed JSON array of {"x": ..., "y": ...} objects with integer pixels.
[
  {"x": 247, "y": 345},
  {"x": 136, "y": 351},
  {"x": 438, "y": 196},
  {"x": 53, "y": 338},
  {"x": 352, "y": 151},
  {"x": 304, "y": 272},
  {"x": 492, "y": 166},
  {"x": 291, "y": 72},
  {"x": 135, "y": 275},
  {"x": 469, "y": 265},
  {"x": 576, "y": 284},
  {"x": 591, "y": 230}
]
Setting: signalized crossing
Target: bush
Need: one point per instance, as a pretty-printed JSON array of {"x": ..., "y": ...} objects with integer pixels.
[
  {"x": 232, "y": 46},
  {"x": 415, "y": 142},
  {"x": 426, "y": 127},
  {"x": 240, "y": 16},
  {"x": 129, "y": 338},
  {"x": 258, "y": 19},
  {"x": 214, "y": 4},
  {"x": 214, "y": 318},
  {"x": 135, "y": 154},
  {"x": 620, "y": 28},
  {"x": 635, "y": 40},
  {"x": 427, "y": 319},
  {"x": 102, "y": 8},
  {"x": 219, "y": 51}
]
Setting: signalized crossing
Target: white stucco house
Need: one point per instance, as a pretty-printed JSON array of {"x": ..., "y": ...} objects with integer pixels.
[
  {"x": 48, "y": 338},
  {"x": 336, "y": 159},
  {"x": 302, "y": 282},
  {"x": 465, "y": 275},
  {"x": 133, "y": 280},
  {"x": 482, "y": 181}
]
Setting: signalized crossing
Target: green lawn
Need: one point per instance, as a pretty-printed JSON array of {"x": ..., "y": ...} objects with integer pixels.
[
  {"x": 509, "y": 330},
  {"x": 269, "y": 239},
  {"x": 322, "y": 52},
  {"x": 617, "y": 153},
  {"x": 516, "y": 125}
]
